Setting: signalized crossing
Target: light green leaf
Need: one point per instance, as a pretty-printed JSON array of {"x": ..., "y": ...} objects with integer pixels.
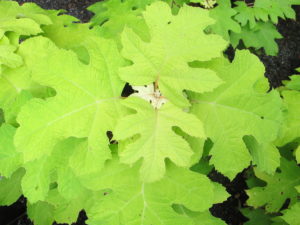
[
  {"x": 265, "y": 156},
  {"x": 126, "y": 200},
  {"x": 23, "y": 26},
  {"x": 84, "y": 161},
  {"x": 72, "y": 153},
  {"x": 173, "y": 44},
  {"x": 157, "y": 140},
  {"x": 279, "y": 187},
  {"x": 292, "y": 215},
  {"x": 237, "y": 108},
  {"x": 291, "y": 126},
  {"x": 71, "y": 37},
  {"x": 8, "y": 57},
  {"x": 220, "y": 193},
  {"x": 23, "y": 20},
  {"x": 10, "y": 188},
  {"x": 66, "y": 211},
  {"x": 294, "y": 82},
  {"x": 298, "y": 154},
  {"x": 203, "y": 218},
  {"x": 65, "y": 192},
  {"x": 12, "y": 82},
  {"x": 36, "y": 181},
  {"x": 41, "y": 213},
  {"x": 89, "y": 93},
  {"x": 69, "y": 185},
  {"x": 14, "y": 106},
  {"x": 10, "y": 159}
]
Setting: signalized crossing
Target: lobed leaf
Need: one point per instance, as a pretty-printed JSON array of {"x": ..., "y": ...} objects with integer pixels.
[
  {"x": 127, "y": 200},
  {"x": 237, "y": 108},
  {"x": 165, "y": 58},
  {"x": 157, "y": 140},
  {"x": 279, "y": 187},
  {"x": 89, "y": 93}
]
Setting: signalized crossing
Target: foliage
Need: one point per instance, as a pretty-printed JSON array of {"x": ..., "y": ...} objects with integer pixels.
[
  {"x": 257, "y": 21},
  {"x": 70, "y": 139},
  {"x": 253, "y": 24}
]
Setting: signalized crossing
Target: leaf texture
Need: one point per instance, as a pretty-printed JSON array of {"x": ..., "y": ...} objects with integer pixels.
[
  {"x": 127, "y": 200},
  {"x": 165, "y": 58},
  {"x": 237, "y": 108},
  {"x": 157, "y": 140},
  {"x": 279, "y": 187},
  {"x": 89, "y": 94}
]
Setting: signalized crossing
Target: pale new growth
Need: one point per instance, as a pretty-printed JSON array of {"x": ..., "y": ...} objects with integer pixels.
[
  {"x": 209, "y": 3},
  {"x": 150, "y": 94}
]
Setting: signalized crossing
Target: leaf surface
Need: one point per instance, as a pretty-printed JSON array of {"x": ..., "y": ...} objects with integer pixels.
[
  {"x": 294, "y": 83},
  {"x": 89, "y": 93},
  {"x": 237, "y": 108},
  {"x": 165, "y": 58},
  {"x": 10, "y": 159},
  {"x": 114, "y": 15},
  {"x": 223, "y": 14},
  {"x": 291, "y": 216},
  {"x": 157, "y": 140},
  {"x": 263, "y": 35},
  {"x": 10, "y": 188},
  {"x": 127, "y": 200},
  {"x": 279, "y": 187},
  {"x": 291, "y": 126},
  {"x": 265, "y": 156},
  {"x": 23, "y": 20}
]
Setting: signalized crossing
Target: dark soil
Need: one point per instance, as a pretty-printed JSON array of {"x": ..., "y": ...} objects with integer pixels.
[
  {"x": 277, "y": 69},
  {"x": 229, "y": 210},
  {"x": 75, "y": 8}
]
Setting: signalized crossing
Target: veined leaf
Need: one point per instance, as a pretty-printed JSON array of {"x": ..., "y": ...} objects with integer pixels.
[
  {"x": 173, "y": 44},
  {"x": 89, "y": 94},
  {"x": 237, "y": 108},
  {"x": 127, "y": 200},
  {"x": 279, "y": 187},
  {"x": 17, "y": 22},
  {"x": 157, "y": 140},
  {"x": 23, "y": 20}
]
